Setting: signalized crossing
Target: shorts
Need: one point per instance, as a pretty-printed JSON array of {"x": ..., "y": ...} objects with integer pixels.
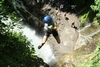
[{"x": 53, "y": 32}]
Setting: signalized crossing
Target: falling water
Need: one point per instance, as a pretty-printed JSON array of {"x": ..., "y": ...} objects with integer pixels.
[
  {"x": 85, "y": 27},
  {"x": 45, "y": 52},
  {"x": 92, "y": 34}
]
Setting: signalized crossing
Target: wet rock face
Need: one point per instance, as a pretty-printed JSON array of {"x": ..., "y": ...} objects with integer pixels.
[
  {"x": 77, "y": 56},
  {"x": 84, "y": 45}
]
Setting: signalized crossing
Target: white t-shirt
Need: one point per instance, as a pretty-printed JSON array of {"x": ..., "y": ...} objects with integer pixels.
[{"x": 49, "y": 26}]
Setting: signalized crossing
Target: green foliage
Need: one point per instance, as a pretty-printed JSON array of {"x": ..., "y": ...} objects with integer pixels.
[
  {"x": 94, "y": 59},
  {"x": 11, "y": 50},
  {"x": 8, "y": 17},
  {"x": 63, "y": 65},
  {"x": 96, "y": 24},
  {"x": 5, "y": 7},
  {"x": 83, "y": 18},
  {"x": 96, "y": 8},
  {"x": 17, "y": 51},
  {"x": 98, "y": 48},
  {"x": 87, "y": 16}
]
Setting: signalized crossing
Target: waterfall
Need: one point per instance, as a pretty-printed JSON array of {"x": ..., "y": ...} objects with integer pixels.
[
  {"x": 88, "y": 25},
  {"x": 45, "y": 52},
  {"x": 91, "y": 34}
]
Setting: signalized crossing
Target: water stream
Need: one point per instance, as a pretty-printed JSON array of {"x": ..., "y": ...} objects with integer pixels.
[
  {"x": 89, "y": 30},
  {"x": 84, "y": 28}
]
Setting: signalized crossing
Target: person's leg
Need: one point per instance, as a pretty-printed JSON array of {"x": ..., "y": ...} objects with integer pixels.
[
  {"x": 55, "y": 34},
  {"x": 46, "y": 35},
  {"x": 57, "y": 39},
  {"x": 43, "y": 41}
]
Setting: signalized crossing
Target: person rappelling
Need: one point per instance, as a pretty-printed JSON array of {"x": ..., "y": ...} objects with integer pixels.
[{"x": 50, "y": 27}]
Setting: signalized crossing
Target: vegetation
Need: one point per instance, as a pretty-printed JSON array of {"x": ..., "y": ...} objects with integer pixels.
[
  {"x": 96, "y": 8},
  {"x": 93, "y": 60},
  {"x": 17, "y": 51},
  {"x": 91, "y": 13}
]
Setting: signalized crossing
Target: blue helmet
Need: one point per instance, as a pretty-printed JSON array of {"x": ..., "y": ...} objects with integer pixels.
[{"x": 47, "y": 19}]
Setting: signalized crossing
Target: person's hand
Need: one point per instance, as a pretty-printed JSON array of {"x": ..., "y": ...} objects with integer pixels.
[{"x": 55, "y": 28}]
